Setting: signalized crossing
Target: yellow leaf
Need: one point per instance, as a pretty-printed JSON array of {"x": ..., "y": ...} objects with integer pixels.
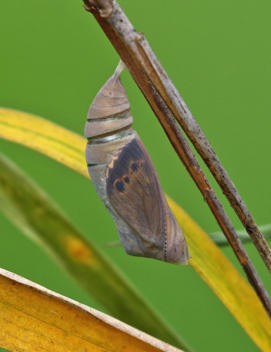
[
  {"x": 33, "y": 318},
  {"x": 222, "y": 277},
  {"x": 207, "y": 259},
  {"x": 45, "y": 137}
]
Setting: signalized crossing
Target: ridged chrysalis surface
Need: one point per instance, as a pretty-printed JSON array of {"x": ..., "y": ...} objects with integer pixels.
[{"x": 125, "y": 179}]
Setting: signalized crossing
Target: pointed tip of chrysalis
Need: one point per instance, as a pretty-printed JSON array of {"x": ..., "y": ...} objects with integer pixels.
[{"x": 112, "y": 98}]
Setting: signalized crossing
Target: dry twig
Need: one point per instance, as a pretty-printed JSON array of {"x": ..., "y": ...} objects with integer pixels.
[{"x": 165, "y": 101}]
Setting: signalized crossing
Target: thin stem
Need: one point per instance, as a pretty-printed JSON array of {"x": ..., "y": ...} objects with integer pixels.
[
  {"x": 220, "y": 239},
  {"x": 217, "y": 237},
  {"x": 165, "y": 101}
]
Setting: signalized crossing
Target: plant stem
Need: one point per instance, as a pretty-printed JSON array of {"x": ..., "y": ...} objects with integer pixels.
[
  {"x": 217, "y": 237},
  {"x": 220, "y": 239}
]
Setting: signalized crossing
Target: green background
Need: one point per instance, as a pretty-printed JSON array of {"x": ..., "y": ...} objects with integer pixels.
[{"x": 54, "y": 59}]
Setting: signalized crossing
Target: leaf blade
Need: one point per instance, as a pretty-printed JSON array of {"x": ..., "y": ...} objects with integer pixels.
[
  {"x": 225, "y": 281},
  {"x": 45, "y": 137},
  {"x": 33, "y": 318}
]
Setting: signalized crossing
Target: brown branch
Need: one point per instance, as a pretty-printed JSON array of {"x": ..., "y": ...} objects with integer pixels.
[
  {"x": 164, "y": 99},
  {"x": 174, "y": 101}
]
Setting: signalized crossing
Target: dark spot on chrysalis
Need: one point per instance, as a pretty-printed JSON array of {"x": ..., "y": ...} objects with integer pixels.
[
  {"x": 126, "y": 179},
  {"x": 135, "y": 167},
  {"x": 120, "y": 186}
]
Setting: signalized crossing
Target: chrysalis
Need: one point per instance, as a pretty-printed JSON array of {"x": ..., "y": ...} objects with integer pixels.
[{"x": 125, "y": 179}]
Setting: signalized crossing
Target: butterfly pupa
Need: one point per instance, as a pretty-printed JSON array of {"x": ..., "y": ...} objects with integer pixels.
[{"x": 125, "y": 179}]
